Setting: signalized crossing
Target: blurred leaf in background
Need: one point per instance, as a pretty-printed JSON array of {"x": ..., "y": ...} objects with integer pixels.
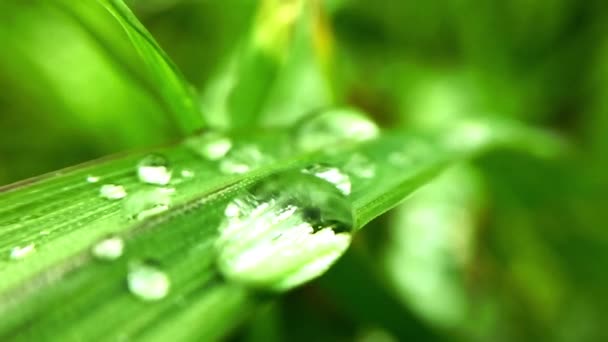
[
  {"x": 74, "y": 72},
  {"x": 289, "y": 43}
]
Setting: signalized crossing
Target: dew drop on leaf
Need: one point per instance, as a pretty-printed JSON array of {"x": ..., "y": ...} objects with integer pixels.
[
  {"x": 20, "y": 252},
  {"x": 187, "y": 173},
  {"x": 332, "y": 175},
  {"x": 154, "y": 169},
  {"x": 92, "y": 179},
  {"x": 147, "y": 281},
  {"x": 334, "y": 126},
  {"x": 112, "y": 192},
  {"x": 283, "y": 232},
  {"x": 148, "y": 202},
  {"x": 210, "y": 145},
  {"x": 242, "y": 160},
  {"x": 110, "y": 248}
]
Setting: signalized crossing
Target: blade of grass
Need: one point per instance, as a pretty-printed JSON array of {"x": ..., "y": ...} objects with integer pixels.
[
  {"x": 69, "y": 108},
  {"x": 177, "y": 93},
  {"x": 289, "y": 42},
  {"x": 62, "y": 282}
]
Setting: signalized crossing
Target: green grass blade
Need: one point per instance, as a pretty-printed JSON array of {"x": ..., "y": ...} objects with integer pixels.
[
  {"x": 288, "y": 43},
  {"x": 72, "y": 70},
  {"x": 177, "y": 93},
  {"x": 208, "y": 281},
  {"x": 429, "y": 275}
]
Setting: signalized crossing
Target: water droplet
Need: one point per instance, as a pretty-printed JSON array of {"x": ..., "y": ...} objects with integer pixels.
[
  {"x": 211, "y": 145},
  {"x": 92, "y": 179},
  {"x": 242, "y": 160},
  {"x": 44, "y": 232},
  {"x": 153, "y": 169},
  {"x": 284, "y": 232},
  {"x": 20, "y": 252},
  {"x": 360, "y": 166},
  {"x": 187, "y": 173},
  {"x": 109, "y": 248},
  {"x": 149, "y": 202},
  {"x": 332, "y": 175},
  {"x": 147, "y": 282},
  {"x": 112, "y": 192},
  {"x": 335, "y": 126}
]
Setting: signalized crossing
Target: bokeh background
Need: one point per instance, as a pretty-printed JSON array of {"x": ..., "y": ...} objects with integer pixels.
[{"x": 506, "y": 248}]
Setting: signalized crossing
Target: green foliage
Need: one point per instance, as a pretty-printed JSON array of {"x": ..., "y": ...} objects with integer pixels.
[
  {"x": 75, "y": 216},
  {"x": 419, "y": 123},
  {"x": 177, "y": 94}
]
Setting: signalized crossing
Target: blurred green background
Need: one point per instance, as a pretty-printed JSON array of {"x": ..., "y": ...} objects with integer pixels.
[{"x": 506, "y": 248}]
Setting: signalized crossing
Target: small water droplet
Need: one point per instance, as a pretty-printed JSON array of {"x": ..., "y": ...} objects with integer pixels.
[
  {"x": 92, "y": 179},
  {"x": 360, "y": 166},
  {"x": 109, "y": 248},
  {"x": 334, "y": 126},
  {"x": 112, "y": 192},
  {"x": 44, "y": 232},
  {"x": 332, "y": 175},
  {"x": 284, "y": 232},
  {"x": 149, "y": 202},
  {"x": 153, "y": 169},
  {"x": 242, "y": 160},
  {"x": 210, "y": 145},
  {"x": 187, "y": 173},
  {"x": 20, "y": 252},
  {"x": 147, "y": 281}
]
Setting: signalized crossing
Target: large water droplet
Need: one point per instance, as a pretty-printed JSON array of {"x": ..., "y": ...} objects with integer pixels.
[
  {"x": 332, "y": 175},
  {"x": 335, "y": 126},
  {"x": 284, "y": 232},
  {"x": 112, "y": 192},
  {"x": 153, "y": 169},
  {"x": 211, "y": 145},
  {"x": 242, "y": 160},
  {"x": 109, "y": 248},
  {"x": 149, "y": 202},
  {"x": 147, "y": 281},
  {"x": 20, "y": 252}
]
